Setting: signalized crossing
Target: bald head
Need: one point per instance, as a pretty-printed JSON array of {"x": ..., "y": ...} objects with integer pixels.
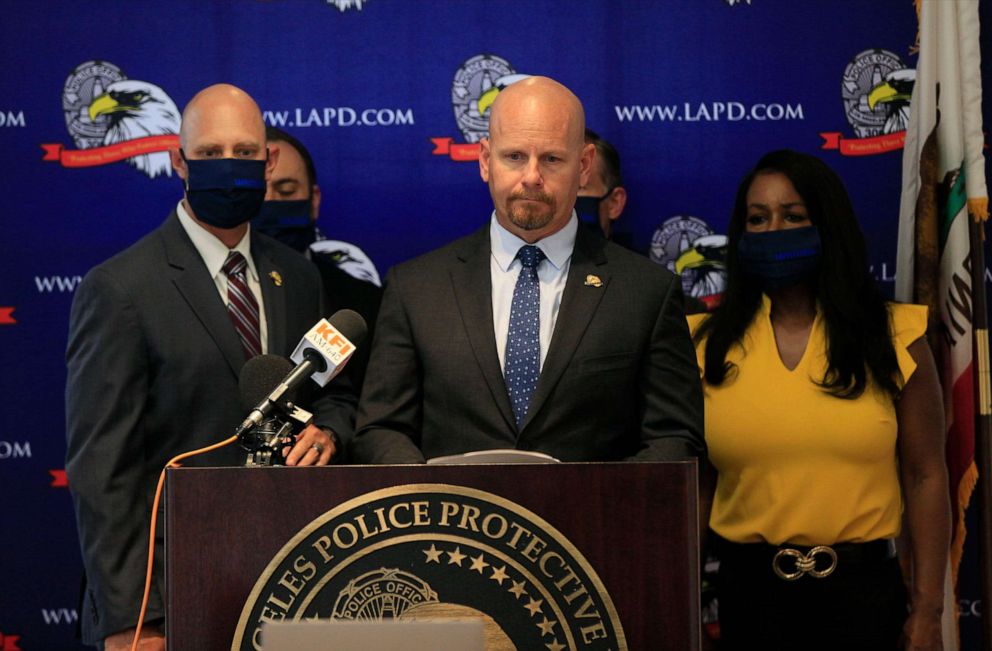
[
  {"x": 221, "y": 121},
  {"x": 543, "y": 99},
  {"x": 535, "y": 157},
  {"x": 221, "y": 103}
]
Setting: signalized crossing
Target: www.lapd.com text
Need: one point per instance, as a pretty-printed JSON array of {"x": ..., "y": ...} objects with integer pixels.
[
  {"x": 709, "y": 112},
  {"x": 339, "y": 116}
]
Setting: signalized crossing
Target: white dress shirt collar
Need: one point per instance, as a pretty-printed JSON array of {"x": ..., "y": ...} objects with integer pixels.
[
  {"x": 212, "y": 250},
  {"x": 557, "y": 247}
]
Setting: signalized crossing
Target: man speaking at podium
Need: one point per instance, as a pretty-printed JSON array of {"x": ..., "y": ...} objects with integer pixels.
[
  {"x": 532, "y": 333},
  {"x": 157, "y": 338}
]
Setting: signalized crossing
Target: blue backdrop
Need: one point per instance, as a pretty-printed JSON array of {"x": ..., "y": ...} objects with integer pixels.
[{"x": 384, "y": 93}]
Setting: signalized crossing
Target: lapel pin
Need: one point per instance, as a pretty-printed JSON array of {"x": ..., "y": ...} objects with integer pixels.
[
  {"x": 276, "y": 278},
  {"x": 593, "y": 281}
]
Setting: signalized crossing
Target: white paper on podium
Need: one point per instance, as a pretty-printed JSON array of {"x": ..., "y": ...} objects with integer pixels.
[{"x": 493, "y": 456}]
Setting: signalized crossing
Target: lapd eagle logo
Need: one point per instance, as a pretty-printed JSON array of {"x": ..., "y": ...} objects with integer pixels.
[
  {"x": 345, "y": 5},
  {"x": 136, "y": 109},
  {"x": 894, "y": 93},
  {"x": 104, "y": 111},
  {"x": 876, "y": 89}
]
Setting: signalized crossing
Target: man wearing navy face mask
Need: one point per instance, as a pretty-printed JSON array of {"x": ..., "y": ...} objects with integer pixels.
[
  {"x": 289, "y": 214},
  {"x": 157, "y": 338},
  {"x": 292, "y": 196},
  {"x": 601, "y": 200}
]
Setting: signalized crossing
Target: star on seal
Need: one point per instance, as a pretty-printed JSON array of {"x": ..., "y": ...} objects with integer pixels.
[
  {"x": 433, "y": 554},
  {"x": 456, "y": 557},
  {"x": 499, "y": 575},
  {"x": 534, "y": 606},
  {"x": 478, "y": 564},
  {"x": 547, "y": 626}
]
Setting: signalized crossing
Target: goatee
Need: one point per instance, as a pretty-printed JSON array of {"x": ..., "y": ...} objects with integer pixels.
[{"x": 530, "y": 216}]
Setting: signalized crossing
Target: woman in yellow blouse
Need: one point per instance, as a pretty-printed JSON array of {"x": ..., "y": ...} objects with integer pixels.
[{"x": 824, "y": 426}]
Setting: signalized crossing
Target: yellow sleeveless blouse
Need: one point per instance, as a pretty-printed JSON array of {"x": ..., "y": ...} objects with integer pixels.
[{"x": 796, "y": 464}]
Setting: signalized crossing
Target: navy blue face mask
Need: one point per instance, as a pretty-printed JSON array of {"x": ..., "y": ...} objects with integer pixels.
[
  {"x": 780, "y": 258},
  {"x": 587, "y": 208},
  {"x": 225, "y": 192},
  {"x": 287, "y": 221}
]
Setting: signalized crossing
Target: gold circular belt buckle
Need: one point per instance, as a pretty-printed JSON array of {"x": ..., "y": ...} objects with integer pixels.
[{"x": 804, "y": 563}]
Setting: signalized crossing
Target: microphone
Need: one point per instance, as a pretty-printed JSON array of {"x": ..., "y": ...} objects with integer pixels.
[
  {"x": 258, "y": 376},
  {"x": 275, "y": 430},
  {"x": 322, "y": 353},
  {"x": 330, "y": 344}
]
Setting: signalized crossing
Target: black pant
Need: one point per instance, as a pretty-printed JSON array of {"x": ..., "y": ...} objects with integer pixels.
[{"x": 861, "y": 605}]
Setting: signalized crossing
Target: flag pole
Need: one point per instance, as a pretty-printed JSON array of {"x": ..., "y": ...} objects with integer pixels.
[{"x": 983, "y": 422}]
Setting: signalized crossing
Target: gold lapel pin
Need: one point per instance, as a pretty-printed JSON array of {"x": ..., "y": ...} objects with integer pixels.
[
  {"x": 276, "y": 278},
  {"x": 593, "y": 281}
]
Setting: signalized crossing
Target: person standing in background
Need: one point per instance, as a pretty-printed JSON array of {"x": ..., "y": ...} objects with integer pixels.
[
  {"x": 824, "y": 427},
  {"x": 289, "y": 214}
]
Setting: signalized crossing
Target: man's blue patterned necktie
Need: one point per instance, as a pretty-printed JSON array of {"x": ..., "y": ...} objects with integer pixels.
[{"x": 523, "y": 343}]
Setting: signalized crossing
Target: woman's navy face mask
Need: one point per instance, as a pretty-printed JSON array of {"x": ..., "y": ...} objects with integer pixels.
[{"x": 780, "y": 258}]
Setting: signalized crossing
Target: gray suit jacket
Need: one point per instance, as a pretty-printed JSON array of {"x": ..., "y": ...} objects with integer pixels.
[
  {"x": 619, "y": 380},
  {"x": 153, "y": 365}
]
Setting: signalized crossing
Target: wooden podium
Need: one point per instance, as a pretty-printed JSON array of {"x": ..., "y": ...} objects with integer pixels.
[{"x": 557, "y": 556}]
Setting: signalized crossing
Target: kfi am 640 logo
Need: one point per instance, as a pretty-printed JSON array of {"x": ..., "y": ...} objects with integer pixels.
[
  {"x": 876, "y": 89},
  {"x": 112, "y": 118},
  {"x": 473, "y": 90}
]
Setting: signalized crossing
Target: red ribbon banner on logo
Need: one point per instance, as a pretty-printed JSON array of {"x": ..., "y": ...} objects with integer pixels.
[
  {"x": 59, "y": 479},
  {"x": 460, "y": 152},
  {"x": 110, "y": 153},
  {"x": 863, "y": 146},
  {"x": 9, "y": 642},
  {"x": 7, "y": 316}
]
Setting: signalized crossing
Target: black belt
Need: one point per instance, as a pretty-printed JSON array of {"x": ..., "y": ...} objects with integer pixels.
[{"x": 791, "y": 562}]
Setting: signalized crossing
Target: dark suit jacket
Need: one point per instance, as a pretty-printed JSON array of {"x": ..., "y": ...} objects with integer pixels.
[
  {"x": 619, "y": 380},
  {"x": 153, "y": 364},
  {"x": 344, "y": 291}
]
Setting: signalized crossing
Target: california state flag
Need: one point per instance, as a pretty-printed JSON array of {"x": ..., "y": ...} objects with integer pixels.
[{"x": 939, "y": 259}]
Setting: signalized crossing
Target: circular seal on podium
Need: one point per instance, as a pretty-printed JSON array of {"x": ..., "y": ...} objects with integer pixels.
[{"x": 425, "y": 551}]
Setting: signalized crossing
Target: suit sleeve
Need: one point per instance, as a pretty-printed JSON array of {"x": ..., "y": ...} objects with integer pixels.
[
  {"x": 106, "y": 394},
  {"x": 390, "y": 411},
  {"x": 334, "y": 409},
  {"x": 672, "y": 424},
  {"x": 334, "y": 405}
]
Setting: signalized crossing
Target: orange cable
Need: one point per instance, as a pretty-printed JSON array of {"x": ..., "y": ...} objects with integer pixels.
[{"x": 173, "y": 463}]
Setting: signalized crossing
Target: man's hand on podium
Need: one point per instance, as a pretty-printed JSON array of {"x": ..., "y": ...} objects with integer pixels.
[{"x": 314, "y": 447}]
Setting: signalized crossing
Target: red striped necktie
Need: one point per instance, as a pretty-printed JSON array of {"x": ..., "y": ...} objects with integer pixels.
[{"x": 241, "y": 304}]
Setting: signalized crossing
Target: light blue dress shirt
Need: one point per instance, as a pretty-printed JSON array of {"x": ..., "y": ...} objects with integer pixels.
[{"x": 552, "y": 273}]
